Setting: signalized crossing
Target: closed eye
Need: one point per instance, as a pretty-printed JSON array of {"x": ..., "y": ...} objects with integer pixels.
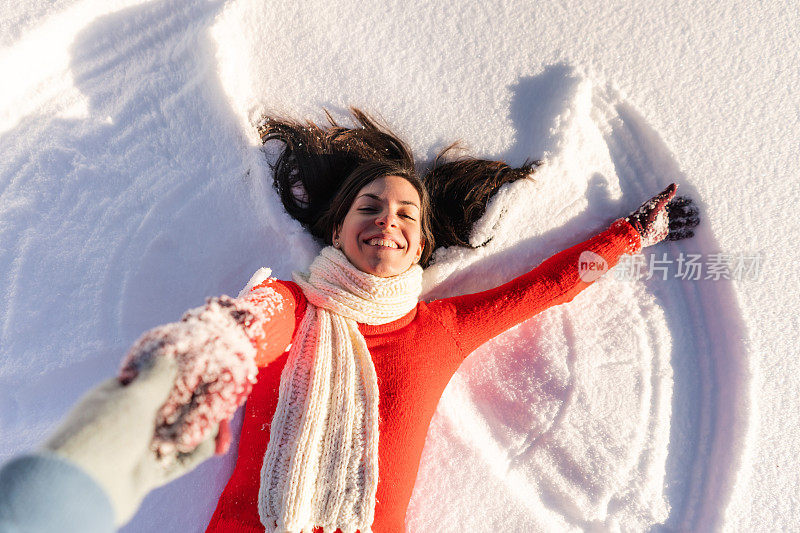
[{"x": 373, "y": 210}]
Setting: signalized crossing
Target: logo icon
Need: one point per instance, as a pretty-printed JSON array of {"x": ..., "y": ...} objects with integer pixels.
[{"x": 591, "y": 266}]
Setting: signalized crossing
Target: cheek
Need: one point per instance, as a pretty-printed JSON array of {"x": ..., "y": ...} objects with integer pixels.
[
  {"x": 351, "y": 235},
  {"x": 415, "y": 240}
]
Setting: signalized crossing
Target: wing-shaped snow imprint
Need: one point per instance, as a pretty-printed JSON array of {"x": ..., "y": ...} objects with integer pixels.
[{"x": 622, "y": 410}]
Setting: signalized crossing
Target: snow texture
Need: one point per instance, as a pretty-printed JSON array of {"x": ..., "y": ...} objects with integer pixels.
[{"x": 133, "y": 186}]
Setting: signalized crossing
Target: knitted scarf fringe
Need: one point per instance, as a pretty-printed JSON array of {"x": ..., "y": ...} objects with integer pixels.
[{"x": 321, "y": 464}]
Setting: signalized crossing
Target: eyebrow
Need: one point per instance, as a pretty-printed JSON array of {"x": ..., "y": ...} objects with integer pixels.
[{"x": 376, "y": 197}]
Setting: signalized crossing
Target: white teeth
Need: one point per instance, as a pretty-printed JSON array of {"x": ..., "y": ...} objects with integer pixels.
[{"x": 382, "y": 242}]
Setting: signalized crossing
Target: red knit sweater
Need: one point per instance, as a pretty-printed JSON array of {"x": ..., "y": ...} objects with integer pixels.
[{"x": 414, "y": 359}]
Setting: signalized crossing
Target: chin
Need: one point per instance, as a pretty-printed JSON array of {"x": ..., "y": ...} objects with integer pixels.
[
  {"x": 383, "y": 271},
  {"x": 382, "y": 265}
]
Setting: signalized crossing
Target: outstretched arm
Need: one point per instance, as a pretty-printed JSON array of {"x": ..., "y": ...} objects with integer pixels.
[
  {"x": 164, "y": 413},
  {"x": 218, "y": 348},
  {"x": 475, "y": 318}
]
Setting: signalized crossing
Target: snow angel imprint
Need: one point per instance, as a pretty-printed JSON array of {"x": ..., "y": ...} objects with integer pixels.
[{"x": 343, "y": 366}]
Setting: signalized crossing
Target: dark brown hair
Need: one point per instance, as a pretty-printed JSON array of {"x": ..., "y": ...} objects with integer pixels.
[
  {"x": 320, "y": 170},
  {"x": 461, "y": 188}
]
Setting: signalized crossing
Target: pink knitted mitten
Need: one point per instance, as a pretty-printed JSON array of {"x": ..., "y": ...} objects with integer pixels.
[{"x": 216, "y": 360}]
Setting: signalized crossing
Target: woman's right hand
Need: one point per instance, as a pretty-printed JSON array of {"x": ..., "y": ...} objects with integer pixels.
[{"x": 215, "y": 355}]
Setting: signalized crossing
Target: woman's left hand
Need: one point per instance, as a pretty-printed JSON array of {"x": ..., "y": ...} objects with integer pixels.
[{"x": 663, "y": 217}]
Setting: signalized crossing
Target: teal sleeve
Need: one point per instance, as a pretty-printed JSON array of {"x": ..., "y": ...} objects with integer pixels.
[{"x": 41, "y": 492}]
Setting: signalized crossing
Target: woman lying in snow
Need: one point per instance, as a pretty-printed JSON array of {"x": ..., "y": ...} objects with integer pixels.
[{"x": 344, "y": 366}]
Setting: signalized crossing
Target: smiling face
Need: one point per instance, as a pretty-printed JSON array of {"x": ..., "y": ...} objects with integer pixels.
[{"x": 381, "y": 233}]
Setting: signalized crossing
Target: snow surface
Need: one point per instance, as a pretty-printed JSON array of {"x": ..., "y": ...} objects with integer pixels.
[{"x": 132, "y": 187}]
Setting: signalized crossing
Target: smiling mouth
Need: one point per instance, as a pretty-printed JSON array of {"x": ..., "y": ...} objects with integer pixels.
[{"x": 383, "y": 243}]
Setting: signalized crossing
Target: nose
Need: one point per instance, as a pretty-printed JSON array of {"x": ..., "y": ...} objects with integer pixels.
[{"x": 386, "y": 220}]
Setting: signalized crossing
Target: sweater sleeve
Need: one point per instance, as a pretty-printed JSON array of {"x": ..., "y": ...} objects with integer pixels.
[
  {"x": 476, "y": 318},
  {"x": 275, "y": 306}
]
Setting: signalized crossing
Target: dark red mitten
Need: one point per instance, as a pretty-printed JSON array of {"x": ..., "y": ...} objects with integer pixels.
[{"x": 651, "y": 220}]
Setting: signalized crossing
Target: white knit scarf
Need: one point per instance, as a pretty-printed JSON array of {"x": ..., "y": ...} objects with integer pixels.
[{"x": 321, "y": 465}]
